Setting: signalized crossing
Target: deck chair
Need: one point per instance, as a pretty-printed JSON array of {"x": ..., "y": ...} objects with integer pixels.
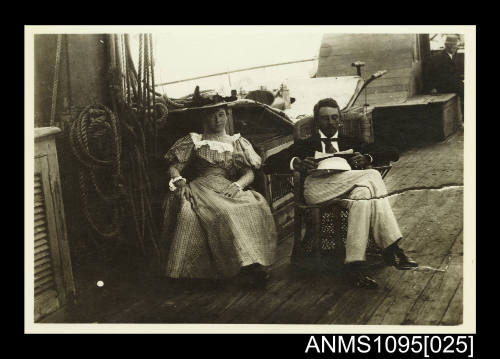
[{"x": 326, "y": 223}]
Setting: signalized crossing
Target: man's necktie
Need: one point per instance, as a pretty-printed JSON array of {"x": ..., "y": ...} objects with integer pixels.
[{"x": 328, "y": 145}]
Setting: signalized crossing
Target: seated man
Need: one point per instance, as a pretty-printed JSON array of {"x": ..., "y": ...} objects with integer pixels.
[{"x": 368, "y": 209}]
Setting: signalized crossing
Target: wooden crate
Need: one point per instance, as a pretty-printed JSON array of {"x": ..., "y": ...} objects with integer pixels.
[{"x": 418, "y": 120}]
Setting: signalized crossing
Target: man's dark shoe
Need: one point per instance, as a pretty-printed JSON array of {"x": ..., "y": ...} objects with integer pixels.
[{"x": 395, "y": 256}]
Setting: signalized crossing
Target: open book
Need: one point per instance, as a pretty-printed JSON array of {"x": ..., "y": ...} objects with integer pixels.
[{"x": 331, "y": 162}]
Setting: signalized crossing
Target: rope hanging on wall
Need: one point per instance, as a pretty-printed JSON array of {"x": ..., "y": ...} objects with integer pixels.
[
  {"x": 139, "y": 133},
  {"x": 96, "y": 143},
  {"x": 114, "y": 149}
]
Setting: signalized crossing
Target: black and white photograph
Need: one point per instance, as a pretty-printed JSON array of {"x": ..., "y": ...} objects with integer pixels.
[{"x": 275, "y": 178}]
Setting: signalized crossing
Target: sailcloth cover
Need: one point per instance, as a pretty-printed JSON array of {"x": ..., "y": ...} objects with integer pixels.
[{"x": 212, "y": 236}]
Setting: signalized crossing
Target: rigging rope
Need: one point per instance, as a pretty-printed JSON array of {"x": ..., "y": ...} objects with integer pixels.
[
  {"x": 56, "y": 81},
  {"x": 126, "y": 62},
  {"x": 139, "y": 75},
  {"x": 115, "y": 185},
  {"x": 155, "y": 120}
]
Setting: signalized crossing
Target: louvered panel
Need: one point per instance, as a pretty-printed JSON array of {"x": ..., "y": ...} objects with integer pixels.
[
  {"x": 41, "y": 254},
  {"x": 44, "y": 288},
  {"x": 40, "y": 236},
  {"x": 40, "y": 249},
  {"x": 40, "y": 242},
  {"x": 40, "y": 229},
  {"x": 40, "y": 222},
  {"x": 43, "y": 266},
  {"x": 43, "y": 279},
  {"x": 43, "y": 284},
  {"x": 44, "y": 274},
  {"x": 39, "y": 212},
  {"x": 39, "y": 204},
  {"x": 42, "y": 261},
  {"x": 38, "y": 197}
]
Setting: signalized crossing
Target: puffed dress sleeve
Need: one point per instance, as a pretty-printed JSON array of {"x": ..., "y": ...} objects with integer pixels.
[
  {"x": 246, "y": 155},
  {"x": 181, "y": 151}
]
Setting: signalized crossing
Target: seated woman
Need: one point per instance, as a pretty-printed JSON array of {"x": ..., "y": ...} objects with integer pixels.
[{"x": 213, "y": 227}]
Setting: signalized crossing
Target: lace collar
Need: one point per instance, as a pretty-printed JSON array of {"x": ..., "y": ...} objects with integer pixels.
[{"x": 213, "y": 145}]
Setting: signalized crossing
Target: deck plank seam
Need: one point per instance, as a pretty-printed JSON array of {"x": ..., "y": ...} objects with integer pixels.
[
  {"x": 446, "y": 256},
  {"x": 451, "y": 300}
]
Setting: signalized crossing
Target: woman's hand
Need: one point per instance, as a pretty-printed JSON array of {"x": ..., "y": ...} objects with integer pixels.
[
  {"x": 232, "y": 190},
  {"x": 181, "y": 182},
  {"x": 183, "y": 190}
]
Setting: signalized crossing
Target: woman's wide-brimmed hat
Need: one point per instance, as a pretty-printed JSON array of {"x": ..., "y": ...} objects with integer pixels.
[{"x": 206, "y": 101}]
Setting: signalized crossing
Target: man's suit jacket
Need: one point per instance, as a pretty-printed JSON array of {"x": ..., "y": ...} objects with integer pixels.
[
  {"x": 280, "y": 162},
  {"x": 441, "y": 73}
]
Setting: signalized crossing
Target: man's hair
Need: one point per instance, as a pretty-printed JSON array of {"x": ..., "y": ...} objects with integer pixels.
[
  {"x": 452, "y": 38},
  {"x": 326, "y": 102}
]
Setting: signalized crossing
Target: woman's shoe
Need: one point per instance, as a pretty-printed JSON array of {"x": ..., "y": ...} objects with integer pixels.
[{"x": 254, "y": 276}]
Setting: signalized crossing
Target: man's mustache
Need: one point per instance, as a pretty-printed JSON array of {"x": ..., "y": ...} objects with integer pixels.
[{"x": 333, "y": 127}]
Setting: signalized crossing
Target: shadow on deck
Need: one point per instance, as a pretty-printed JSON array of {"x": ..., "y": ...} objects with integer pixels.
[{"x": 431, "y": 221}]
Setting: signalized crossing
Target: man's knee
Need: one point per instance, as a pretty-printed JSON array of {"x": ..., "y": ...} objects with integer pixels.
[
  {"x": 374, "y": 173},
  {"x": 360, "y": 193}
]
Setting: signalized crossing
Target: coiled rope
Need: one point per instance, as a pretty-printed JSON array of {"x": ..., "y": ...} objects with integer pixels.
[{"x": 97, "y": 124}]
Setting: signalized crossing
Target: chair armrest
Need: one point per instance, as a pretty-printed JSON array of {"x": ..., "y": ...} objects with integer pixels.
[
  {"x": 384, "y": 170},
  {"x": 282, "y": 175},
  {"x": 298, "y": 187}
]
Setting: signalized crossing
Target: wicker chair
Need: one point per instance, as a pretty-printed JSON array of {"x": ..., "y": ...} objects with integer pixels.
[{"x": 326, "y": 223}]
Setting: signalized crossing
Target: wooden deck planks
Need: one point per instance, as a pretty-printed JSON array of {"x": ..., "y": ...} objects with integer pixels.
[
  {"x": 433, "y": 165},
  {"x": 303, "y": 304},
  {"x": 258, "y": 304},
  {"x": 454, "y": 312},
  {"x": 359, "y": 305},
  {"x": 440, "y": 290},
  {"x": 431, "y": 223},
  {"x": 432, "y": 239}
]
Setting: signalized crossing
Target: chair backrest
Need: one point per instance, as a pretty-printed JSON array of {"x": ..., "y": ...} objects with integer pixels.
[
  {"x": 355, "y": 125},
  {"x": 303, "y": 128}
]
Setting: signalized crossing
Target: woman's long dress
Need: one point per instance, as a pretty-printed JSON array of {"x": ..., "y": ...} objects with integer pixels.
[{"x": 212, "y": 236}]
